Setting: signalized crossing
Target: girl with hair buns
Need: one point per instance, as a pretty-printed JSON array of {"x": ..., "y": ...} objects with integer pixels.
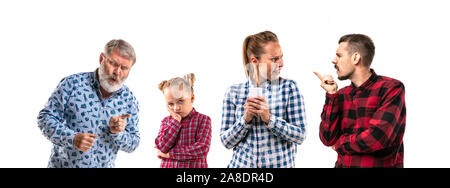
[
  {"x": 264, "y": 127},
  {"x": 185, "y": 135}
]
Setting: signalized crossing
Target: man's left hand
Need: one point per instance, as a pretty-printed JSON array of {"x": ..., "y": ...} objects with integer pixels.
[{"x": 117, "y": 123}]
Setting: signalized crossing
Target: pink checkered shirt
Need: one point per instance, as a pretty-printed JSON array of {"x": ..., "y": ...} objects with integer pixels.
[{"x": 187, "y": 142}]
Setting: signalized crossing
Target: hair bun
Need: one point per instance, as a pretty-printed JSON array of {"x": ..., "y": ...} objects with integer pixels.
[
  {"x": 190, "y": 78},
  {"x": 161, "y": 85}
]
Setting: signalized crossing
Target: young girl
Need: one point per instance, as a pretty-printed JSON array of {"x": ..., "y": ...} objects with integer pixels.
[{"x": 185, "y": 136}]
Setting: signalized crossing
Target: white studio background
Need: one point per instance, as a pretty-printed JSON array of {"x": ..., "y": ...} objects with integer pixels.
[{"x": 44, "y": 41}]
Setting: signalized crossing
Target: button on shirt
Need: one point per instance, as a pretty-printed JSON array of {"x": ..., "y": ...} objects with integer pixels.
[
  {"x": 366, "y": 124},
  {"x": 77, "y": 106},
  {"x": 257, "y": 144}
]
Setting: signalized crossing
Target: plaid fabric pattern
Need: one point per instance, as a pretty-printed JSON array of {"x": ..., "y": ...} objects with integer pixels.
[
  {"x": 260, "y": 145},
  {"x": 187, "y": 142},
  {"x": 366, "y": 124}
]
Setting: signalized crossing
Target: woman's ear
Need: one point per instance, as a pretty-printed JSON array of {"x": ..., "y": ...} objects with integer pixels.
[{"x": 254, "y": 60}]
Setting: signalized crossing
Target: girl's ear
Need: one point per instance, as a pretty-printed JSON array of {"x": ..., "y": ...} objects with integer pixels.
[{"x": 192, "y": 98}]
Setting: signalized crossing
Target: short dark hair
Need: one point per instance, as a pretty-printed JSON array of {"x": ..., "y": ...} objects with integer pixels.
[{"x": 362, "y": 44}]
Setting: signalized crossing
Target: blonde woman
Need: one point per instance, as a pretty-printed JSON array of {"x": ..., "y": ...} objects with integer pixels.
[{"x": 263, "y": 119}]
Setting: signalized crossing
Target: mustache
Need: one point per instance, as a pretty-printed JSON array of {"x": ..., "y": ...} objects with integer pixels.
[{"x": 114, "y": 76}]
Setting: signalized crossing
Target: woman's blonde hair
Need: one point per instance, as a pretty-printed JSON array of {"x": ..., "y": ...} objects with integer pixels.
[
  {"x": 254, "y": 45},
  {"x": 182, "y": 83}
]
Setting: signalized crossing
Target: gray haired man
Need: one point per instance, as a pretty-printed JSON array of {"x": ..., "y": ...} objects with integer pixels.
[{"x": 90, "y": 116}]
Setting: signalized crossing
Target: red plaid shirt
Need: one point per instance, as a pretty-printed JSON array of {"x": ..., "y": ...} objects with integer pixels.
[
  {"x": 187, "y": 142},
  {"x": 366, "y": 124}
]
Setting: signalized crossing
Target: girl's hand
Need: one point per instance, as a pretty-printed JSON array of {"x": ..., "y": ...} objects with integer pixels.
[
  {"x": 162, "y": 155},
  {"x": 174, "y": 115}
]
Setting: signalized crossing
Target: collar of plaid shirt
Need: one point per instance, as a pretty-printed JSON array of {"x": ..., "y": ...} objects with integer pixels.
[
  {"x": 189, "y": 116},
  {"x": 366, "y": 85},
  {"x": 267, "y": 84}
]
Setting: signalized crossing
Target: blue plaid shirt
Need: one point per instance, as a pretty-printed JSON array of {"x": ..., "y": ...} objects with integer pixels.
[
  {"x": 261, "y": 145},
  {"x": 77, "y": 106}
]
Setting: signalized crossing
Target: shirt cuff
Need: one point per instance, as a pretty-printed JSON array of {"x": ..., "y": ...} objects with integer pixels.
[
  {"x": 244, "y": 123},
  {"x": 272, "y": 122},
  {"x": 330, "y": 97},
  {"x": 116, "y": 136},
  {"x": 172, "y": 155},
  {"x": 339, "y": 147},
  {"x": 69, "y": 138},
  {"x": 175, "y": 123}
]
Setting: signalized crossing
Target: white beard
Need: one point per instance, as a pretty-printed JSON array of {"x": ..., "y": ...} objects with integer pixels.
[{"x": 104, "y": 80}]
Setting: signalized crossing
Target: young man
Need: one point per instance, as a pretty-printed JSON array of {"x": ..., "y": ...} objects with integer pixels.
[{"x": 365, "y": 121}]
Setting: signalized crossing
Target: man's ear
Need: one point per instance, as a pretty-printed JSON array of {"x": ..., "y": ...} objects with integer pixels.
[
  {"x": 101, "y": 57},
  {"x": 356, "y": 58},
  {"x": 192, "y": 98}
]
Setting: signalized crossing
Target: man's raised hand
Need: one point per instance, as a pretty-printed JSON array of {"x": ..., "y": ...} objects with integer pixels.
[
  {"x": 328, "y": 83},
  {"x": 117, "y": 124}
]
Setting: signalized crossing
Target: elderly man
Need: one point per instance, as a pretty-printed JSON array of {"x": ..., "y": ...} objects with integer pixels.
[{"x": 91, "y": 116}]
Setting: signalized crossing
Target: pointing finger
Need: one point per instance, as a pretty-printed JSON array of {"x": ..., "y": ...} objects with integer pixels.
[
  {"x": 92, "y": 135},
  {"x": 319, "y": 76},
  {"x": 125, "y": 116}
]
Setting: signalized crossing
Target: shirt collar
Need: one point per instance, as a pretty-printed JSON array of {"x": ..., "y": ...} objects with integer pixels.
[
  {"x": 96, "y": 81},
  {"x": 191, "y": 114},
  {"x": 267, "y": 84},
  {"x": 368, "y": 83}
]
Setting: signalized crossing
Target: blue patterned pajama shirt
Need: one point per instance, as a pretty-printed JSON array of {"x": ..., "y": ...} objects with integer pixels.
[{"x": 77, "y": 106}]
